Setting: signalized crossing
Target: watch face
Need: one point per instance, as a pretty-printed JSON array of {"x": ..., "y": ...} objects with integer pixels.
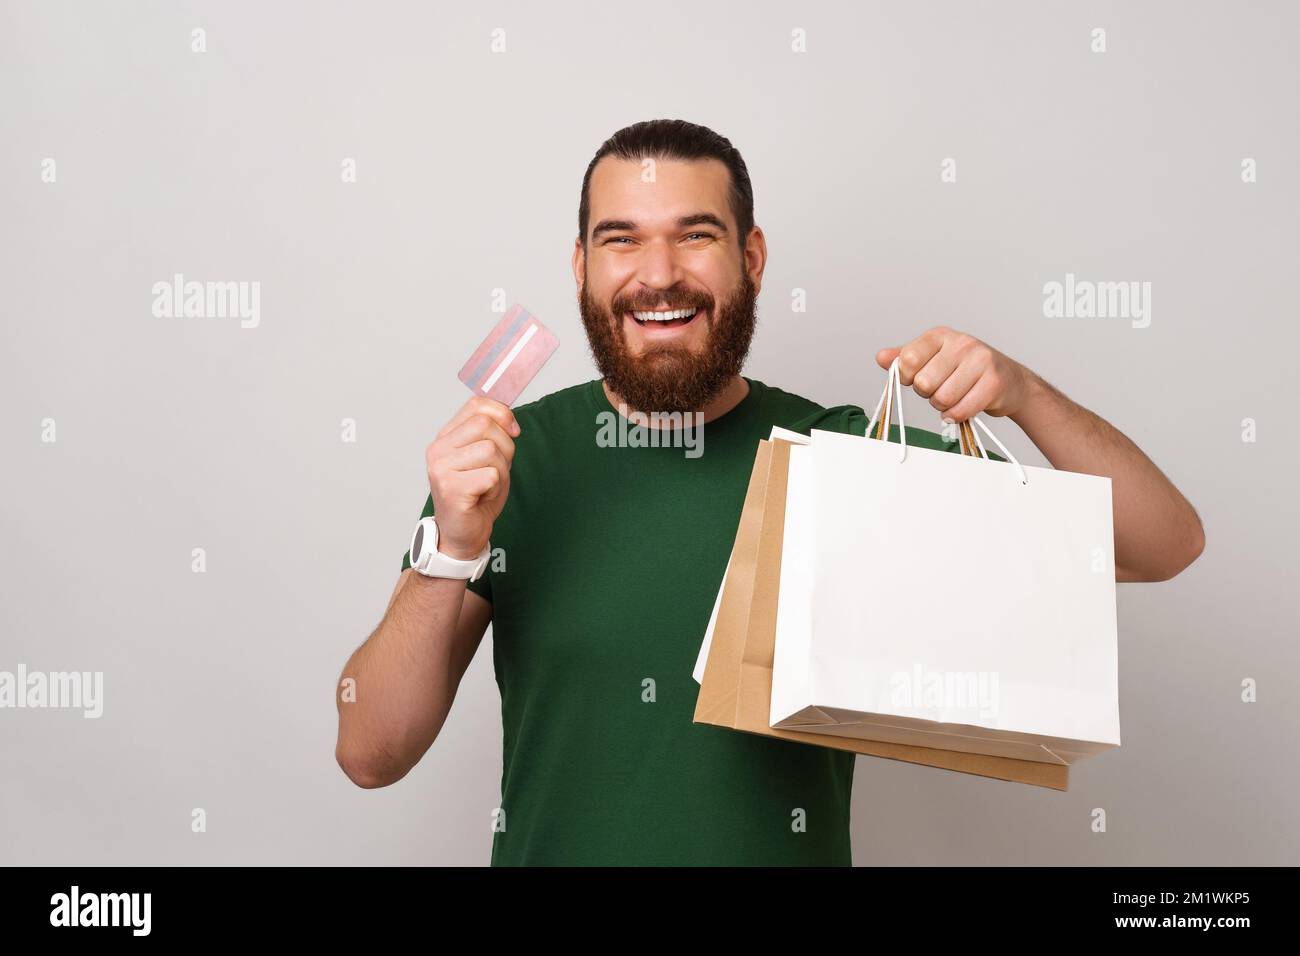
[{"x": 418, "y": 543}]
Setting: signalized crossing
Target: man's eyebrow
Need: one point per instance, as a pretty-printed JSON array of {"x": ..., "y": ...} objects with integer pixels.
[
  {"x": 702, "y": 219},
  {"x": 613, "y": 225},
  {"x": 627, "y": 225}
]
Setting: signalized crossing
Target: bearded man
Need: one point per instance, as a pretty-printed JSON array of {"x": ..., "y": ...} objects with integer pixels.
[{"x": 615, "y": 554}]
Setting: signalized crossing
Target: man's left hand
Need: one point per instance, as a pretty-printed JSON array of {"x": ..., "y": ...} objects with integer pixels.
[{"x": 960, "y": 375}]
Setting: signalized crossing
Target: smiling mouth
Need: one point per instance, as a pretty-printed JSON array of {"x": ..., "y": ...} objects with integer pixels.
[{"x": 664, "y": 318}]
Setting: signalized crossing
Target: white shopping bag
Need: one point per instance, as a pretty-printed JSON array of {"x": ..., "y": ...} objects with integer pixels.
[{"x": 946, "y": 601}]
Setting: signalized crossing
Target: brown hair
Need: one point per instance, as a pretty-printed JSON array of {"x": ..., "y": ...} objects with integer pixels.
[{"x": 675, "y": 139}]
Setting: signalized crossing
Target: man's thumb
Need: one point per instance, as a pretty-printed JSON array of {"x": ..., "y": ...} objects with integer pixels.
[{"x": 885, "y": 357}]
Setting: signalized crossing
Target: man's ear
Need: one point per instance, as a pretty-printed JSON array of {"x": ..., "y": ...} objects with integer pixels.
[
  {"x": 756, "y": 257},
  {"x": 579, "y": 266}
]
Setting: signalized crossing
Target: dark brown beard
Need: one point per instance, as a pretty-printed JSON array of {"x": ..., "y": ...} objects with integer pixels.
[{"x": 671, "y": 378}]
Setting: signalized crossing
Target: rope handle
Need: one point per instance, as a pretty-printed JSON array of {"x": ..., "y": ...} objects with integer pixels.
[{"x": 971, "y": 444}]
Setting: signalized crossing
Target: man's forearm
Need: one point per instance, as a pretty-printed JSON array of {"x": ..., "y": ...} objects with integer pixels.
[
  {"x": 405, "y": 678},
  {"x": 1157, "y": 531}
]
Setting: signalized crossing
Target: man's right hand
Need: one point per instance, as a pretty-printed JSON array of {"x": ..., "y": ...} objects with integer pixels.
[{"x": 469, "y": 475}]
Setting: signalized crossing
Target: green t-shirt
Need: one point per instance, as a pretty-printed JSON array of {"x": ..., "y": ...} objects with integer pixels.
[{"x": 611, "y": 561}]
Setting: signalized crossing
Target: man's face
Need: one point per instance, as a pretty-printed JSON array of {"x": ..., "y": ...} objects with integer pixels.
[{"x": 667, "y": 246}]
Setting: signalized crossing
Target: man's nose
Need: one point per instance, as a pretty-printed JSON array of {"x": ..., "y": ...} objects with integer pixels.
[{"x": 658, "y": 266}]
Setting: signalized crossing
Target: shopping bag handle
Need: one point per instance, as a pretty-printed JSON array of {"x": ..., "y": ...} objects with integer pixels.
[{"x": 970, "y": 439}]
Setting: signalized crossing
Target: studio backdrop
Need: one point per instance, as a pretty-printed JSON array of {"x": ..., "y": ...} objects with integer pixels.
[{"x": 206, "y": 512}]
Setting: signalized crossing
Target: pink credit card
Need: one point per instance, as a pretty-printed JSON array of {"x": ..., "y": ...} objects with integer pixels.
[{"x": 509, "y": 357}]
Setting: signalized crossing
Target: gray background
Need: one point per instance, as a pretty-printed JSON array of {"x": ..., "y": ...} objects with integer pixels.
[{"x": 183, "y": 433}]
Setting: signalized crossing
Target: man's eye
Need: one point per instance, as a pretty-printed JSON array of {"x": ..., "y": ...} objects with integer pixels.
[
  {"x": 619, "y": 239},
  {"x": 702, "y": 235}
]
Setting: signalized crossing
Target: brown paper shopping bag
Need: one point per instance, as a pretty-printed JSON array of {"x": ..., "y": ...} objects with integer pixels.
[{"x": 737, "y": 683}]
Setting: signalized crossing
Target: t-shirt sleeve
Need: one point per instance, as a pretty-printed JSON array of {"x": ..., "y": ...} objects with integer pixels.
[
  {"x": 482, "y": 587},
  {"x": 853, "y": 420}
]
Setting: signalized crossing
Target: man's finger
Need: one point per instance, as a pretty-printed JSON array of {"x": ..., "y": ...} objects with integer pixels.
[
  {"x": 488, "y": 480},
  {"x": 478, "y": 405},
  {"x": 477, "y": 454},
  {"x": 974, "y": 401},
  {"x": 914, "y": 355},
  {"x": 954, "y": 387},
  {"x": 934, "y": 373},
  {"x": 477, "y": 428}
]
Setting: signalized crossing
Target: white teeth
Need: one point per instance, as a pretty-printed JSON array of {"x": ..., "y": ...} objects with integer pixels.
[{"x": 663, "y": 316}]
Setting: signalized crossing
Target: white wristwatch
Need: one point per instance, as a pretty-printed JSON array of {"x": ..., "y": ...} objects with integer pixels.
[{"x": 432, "y": 563}]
